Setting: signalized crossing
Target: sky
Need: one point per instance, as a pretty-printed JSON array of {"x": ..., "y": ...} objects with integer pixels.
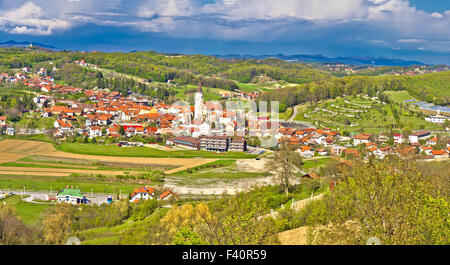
[{"x": 411, "y": 30}]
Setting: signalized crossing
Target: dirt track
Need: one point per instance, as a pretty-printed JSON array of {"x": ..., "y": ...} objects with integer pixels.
[{"x": 25, "y": 172}]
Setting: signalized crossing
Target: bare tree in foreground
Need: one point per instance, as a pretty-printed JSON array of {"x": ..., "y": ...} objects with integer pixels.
[{"x": 285, "y": 163}]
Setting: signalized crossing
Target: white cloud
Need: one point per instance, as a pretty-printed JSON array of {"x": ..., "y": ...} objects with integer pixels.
[
  {"x": 300, "y": 9},
  {"x": 437, "y": 15},
  {"x": 411, "y": 41},
  {"x": 384, "y": 23},
  {"x": 165, "y": 8},
  {"x": 30, "y": 19}
]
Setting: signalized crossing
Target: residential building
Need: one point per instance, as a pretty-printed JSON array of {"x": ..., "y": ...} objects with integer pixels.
[
  {"x": 142, "y": 193},
  {"x": 415, "y": 137},
  {"x": 361, "y": 139},
  {"x": 432, "y": 141},
  {"x": 214, "y": 143},
  {"x": 238, "y": 144},
  {"x": 10, "y": 131},
  {"x": 439, "y": 154},
  {"x": 95, "y": 131},
  {"x": 337, "y": 150},
  {"x": 166, "y": 195},
  {"x": 398, "y": 138},
  {"x": 305, "y": 151},
  {"x": 439, "y": 119},
  {"x": 322, "y": 151}
]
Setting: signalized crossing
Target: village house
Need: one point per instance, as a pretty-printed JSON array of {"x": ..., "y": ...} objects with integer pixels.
[
  {"x": 381, "y": 152},
  {"x": 42, "y": 71},
  {"x": 439, "y": 154},
  {"x": 382, "y": 137},
  {"x": 352, "y": 153},
  {"x": 2, "y": 121},
  {"x": 414, "y": 138},
  {"x": 405, "y": 151},
  {"x": 398, "y": 138},
  {"x": 322, "y": 151},
  {"x": 337, "y": 150},
  {"x": 426, "y": 150},
  {"x": 10, "y": 131},
  {"x": 438, "y": 119},
  {"x": 361, "y": 139},
  {"x": 432, "y": 141},
  {"x": 305, "y": 151},
  {"x": 95, "y": 131},
  {"x": 166, "y": 195},
  {"x": 142, "y": 193}
]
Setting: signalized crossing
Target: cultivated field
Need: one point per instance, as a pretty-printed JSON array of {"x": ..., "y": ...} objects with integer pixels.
[
  {"x": 39, "y": 166},
  {"x": 13, "y": 150},
  {"x": 355, "y": 113}
]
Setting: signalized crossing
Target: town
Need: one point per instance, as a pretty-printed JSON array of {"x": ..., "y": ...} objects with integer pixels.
[{"x": 204, "y": 126}]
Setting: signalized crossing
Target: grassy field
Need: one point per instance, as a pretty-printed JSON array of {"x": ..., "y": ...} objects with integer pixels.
[
  {"x": 399, "y": 96},
  {"x": 315, "y": 163},
  {"x": 285, "y": 115},
  {"x": 113, "y": 150},
  {"x": 30, "y": 213},
  {"x": 46, "y": 183},
  {"x": 248, "y": 87},
  {"x": 209, "y": 94}
]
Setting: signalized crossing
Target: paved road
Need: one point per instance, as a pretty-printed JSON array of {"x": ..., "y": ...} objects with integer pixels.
[
  {"x": 294, "y": 114},
  {"x": 97, "y": 198}
]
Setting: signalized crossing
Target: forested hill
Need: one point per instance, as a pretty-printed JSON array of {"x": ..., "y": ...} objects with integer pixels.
[
  {"x": 188, "y": 69},
  {"x": 433, "y": 87},
  {"x": 182, "y": 69}
]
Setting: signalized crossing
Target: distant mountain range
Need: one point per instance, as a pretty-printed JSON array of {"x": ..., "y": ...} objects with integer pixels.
[
  {"x": 353, "y": 60},
  {"x": 12, "y": 43}
]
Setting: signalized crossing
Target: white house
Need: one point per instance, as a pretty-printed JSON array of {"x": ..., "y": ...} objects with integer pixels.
[
  {"x": 415, "y": 137},
  {"x": 361, "y": 139},
  {"x": 439, "y": 119},
  {"x": 95, "y": 131},
  {"x": 398, "y": 138},
  {"x": 305, "y": 151},
  {"x": 142, "y": 193},
  {"x": 2, "y": 121},
  {"x": 432, "y": 141},
  {"x": 10, "y": 131}
]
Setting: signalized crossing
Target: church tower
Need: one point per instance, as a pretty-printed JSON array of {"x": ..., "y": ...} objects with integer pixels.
[{"x": 198, "y": 107}]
